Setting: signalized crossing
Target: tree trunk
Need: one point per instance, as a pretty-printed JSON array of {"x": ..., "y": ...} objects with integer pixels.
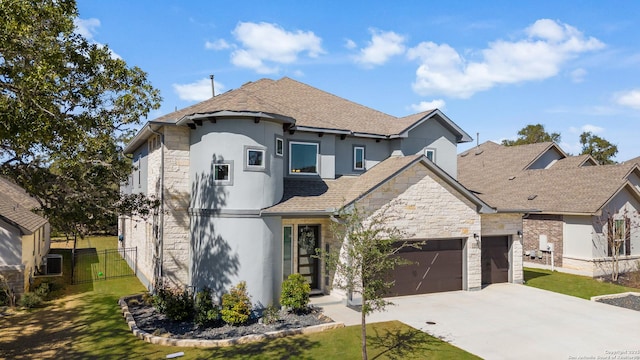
[{"x": 363, "y": 324}]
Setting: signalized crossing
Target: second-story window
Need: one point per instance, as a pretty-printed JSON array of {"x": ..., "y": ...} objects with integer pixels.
[
  {"x": 254, "y": 158},
  {"x": 430, "y": 154},
  {"x": 303, "y": 158},
  {"x": 358, "y": 158}
]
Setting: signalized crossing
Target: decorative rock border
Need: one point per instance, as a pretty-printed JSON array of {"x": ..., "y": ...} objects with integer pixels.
[
  {"x": 159, "y": 340},
  {"x": 614, "y": 296}
]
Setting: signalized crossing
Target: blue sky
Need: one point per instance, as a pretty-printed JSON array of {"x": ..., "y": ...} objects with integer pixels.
[{"x": 492, "y": 66}]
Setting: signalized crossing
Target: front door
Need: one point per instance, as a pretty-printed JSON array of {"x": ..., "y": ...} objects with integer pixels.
[
  {"x": 308, "y": 264},
  {"x": 495, "y": 259}
]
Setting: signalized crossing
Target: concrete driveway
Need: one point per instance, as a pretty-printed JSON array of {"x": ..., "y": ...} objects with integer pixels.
[{"x": 507, "y": 321}]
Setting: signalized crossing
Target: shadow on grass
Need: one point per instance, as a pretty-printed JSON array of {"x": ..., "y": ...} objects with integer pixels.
[
  {"x": 294, "y": 347},
  {"x": 530, "y": 274},
  {"x": 399, "y": 343}
]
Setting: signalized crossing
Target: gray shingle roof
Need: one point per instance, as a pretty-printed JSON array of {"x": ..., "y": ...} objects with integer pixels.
[
  {"x": 496, "y": 173},
  {"x": 15, "y": 206}
]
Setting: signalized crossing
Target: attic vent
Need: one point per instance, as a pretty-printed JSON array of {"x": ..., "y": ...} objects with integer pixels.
[
  {"x": 464, "y": 154},
  {"x": 531, "y": 197},
  {"x": 479, "y": 152},
  {"x": 512, "y": 177}
]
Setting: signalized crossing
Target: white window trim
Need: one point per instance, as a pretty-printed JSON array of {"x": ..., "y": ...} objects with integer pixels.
[
  {"x": 355, "y": 150},
  {"x": 248, "y": 167},
  {"x": 317, "y": 157},
  {"x": 228, "y": 182},
  {"x": 281, "y": 141},
  {"x": 432, "y": 151}
]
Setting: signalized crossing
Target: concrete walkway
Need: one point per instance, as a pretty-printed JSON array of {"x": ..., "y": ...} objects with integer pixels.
[{"x": 507, "y": 321}]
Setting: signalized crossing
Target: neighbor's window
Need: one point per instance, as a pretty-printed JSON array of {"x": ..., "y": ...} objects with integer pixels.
[
  {"x": 287, "y": 252},
  {"x": 303, "y": 158},
  {"x": 279, "y": 146},
  {"x": 358, "y": 157},
  {"x": 619, "y": 235},
  {"x": 430, "y": 154}
]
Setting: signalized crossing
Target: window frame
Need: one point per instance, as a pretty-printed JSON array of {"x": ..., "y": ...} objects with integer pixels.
[
  {"x": 223, "y": 182},
  {"x": 249, "y": 167},
  {"x": 291, "y": 152},
  {"x": 364, "y": 162},
  {"x": 285, "y": 275},
  {"x": 279, "y": 141},
  {"x": 433, "y": 154}
]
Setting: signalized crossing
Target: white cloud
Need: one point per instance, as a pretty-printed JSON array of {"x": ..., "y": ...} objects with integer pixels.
[
  {"x": 577, "y": 75},
  {"x": 350, "y": 44},
  {"x": 264, "y": 43},
  {"x": 428, "y": 105},
  {"x": 586, "y": 128},
  {"x": 219, "y": 44},
  {"x": 629, "y": 98},
  {"x": 383, "y": 45},
  {"x": 197, "y": 91},
  {"x": 87, "y": 28},
  {"x": 547, "y": 46}
]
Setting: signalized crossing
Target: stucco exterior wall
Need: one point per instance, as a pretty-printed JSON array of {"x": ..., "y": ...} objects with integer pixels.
[
  {"x": 10, "y": 245},
  {"x": 425, "y": 207},
  {"x": 578, "y": 235},
  {"x": 431, "y": 134},
  {"x": 507, "y": 225},
  {"x": 375, "y": 152}
]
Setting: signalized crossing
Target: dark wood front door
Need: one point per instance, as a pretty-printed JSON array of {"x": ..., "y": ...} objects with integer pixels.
[
  {"x": 495, "y": 259},
  {"x": 436, "y": 267},
  {"x": 308, "y": 264}
]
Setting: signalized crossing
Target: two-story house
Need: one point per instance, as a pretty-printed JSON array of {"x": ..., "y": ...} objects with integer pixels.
[{"x": 249, "y": 182}]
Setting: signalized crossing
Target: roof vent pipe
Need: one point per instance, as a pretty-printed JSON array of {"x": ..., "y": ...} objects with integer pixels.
[
  {"x": 213, "y": 90},
  {"x": 477, "y": 139}
]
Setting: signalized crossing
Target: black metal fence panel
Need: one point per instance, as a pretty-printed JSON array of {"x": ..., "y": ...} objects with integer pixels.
[{"x": 94, "y": 265}]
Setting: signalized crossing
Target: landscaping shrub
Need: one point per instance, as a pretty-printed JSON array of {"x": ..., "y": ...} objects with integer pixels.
[
  {"x": 295, "y": 293},
  {"x": 206, "y": 312},
  {"x": 43, "y": 290},
  {"x": 270, "y": 315},
  {"x": 7, "y": 295},
  {"x": 236, "y": 305},
  {"x": 176, "y": 304},
  {"x": 30, "y": 300}
]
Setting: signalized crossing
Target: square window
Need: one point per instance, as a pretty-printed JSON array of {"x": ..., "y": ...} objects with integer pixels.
[
  {"x": 255, "y": 157},
  {"x": 358, "y": 157},
  {"x": 303, "y": 158},
  {"x": 279, "y": 146},
  {"x": 222, "y": 172},
  {"x": 430, "y": 154}
]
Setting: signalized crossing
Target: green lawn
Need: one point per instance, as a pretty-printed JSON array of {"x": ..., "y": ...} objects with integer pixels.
[
  {"x": 86, "y": 323},
  {"x": 574, "y": 285}
]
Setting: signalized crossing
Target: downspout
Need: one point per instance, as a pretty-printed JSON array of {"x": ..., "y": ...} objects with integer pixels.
[{"x": 159, "y": 272}]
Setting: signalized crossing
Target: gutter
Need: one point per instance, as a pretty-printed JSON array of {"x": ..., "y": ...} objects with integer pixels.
[{"x": 159, "y": 274}]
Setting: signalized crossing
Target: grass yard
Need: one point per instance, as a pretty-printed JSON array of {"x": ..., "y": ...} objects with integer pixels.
[
  {"x": 85, "y": 322},
  {"x": 568, "y": 284}
]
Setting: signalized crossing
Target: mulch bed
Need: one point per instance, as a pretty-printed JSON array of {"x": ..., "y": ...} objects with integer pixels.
[{"x": 151, "y": 321}]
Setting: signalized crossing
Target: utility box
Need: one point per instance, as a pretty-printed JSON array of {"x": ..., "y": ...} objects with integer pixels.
[{"x": 542, "y": 240}]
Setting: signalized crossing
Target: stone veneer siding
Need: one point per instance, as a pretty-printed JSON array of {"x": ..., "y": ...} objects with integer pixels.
[
  {"x": 507, "y": 225},
  {"x": 541, "y": 224},
  {"x": 15, "y": 276},
  {"x": 425, "y": 207},
  {"x": 177, "y": 189}
]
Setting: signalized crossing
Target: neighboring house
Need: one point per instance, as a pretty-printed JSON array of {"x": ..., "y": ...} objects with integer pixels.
[
  {"x": 24, "y": 237},
  {"x": 572, "y": 204},
  {"x": 249, "y": 182}
]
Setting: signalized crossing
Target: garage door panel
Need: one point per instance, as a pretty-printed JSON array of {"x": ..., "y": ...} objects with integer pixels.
[{"x": 435, "y": 267}]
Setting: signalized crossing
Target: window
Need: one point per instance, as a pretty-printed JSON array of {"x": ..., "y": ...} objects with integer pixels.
[
  {"x": 254, "y": 158},
  {"x": 303, "y": 158},
  {"x": 287, "y": 252},
  {"x": 221, "y": 172},
  {"x": 430, "y": 154},
  {"x": 619, "y": 239},
  {"x": 358, "y": 158},
  {"x": 279, "y": 146}
]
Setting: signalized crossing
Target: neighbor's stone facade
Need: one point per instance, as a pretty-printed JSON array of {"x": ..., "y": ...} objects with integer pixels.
[
  {"x": 425, "y": 207},
  {"x": 540, "y": 224}
]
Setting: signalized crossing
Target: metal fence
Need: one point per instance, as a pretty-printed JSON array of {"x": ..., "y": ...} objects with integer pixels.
[{"x": 94, "y": 265}]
